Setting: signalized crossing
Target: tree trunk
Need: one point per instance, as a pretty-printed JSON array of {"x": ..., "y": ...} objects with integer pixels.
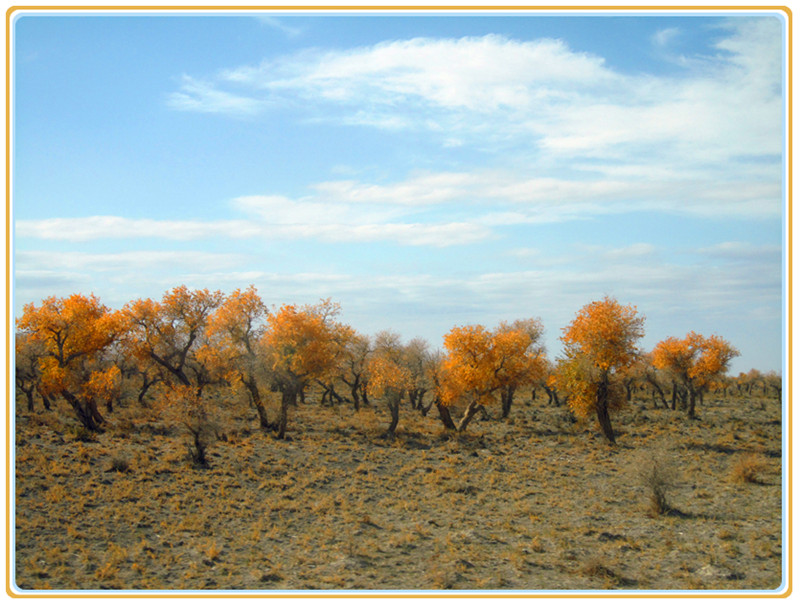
[
  {"x": 412, "y": 398},
  {"x": 355, "y": 395},
  {"x": 200, "y": 446},
  {"x": 45, "y": 400},
  {"x": 86, "y": 412},
  {"x": 288, "y": 398},
  {"x": 146, "y": 384},
  {"x": 657, "y": 388},
  {"x": 394, "y": 410},
  {"x": 506, "y": 400},
  {"x": 444, "y": 415},
  {"x": 472, "y": 408},
  {"x": 255, "y": 396},
  {"x": 601, "y": 407},
  {"x": 29, "y": 397},
  {"x": 690, "y": 408},
  {"x": 95, "y": 412}
]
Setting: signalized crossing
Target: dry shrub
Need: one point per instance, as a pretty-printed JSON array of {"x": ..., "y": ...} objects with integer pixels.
[
  {"x": 120, "y": 464},
  {"x": 748, "y": 468},
  {"x": 657, "y": 475}
]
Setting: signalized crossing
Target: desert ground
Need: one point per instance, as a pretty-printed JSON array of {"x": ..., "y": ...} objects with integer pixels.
[{"x": 536, "y": 502}]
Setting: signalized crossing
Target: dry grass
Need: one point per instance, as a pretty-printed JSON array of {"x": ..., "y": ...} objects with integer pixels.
[
  {"x": 749, "y": 468},
  {"x": 537, "y": 503}
]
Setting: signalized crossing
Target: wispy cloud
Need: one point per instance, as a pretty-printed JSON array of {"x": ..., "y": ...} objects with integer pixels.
[
  {"x": 541, "y": 92},
  {"x": 91, "y": 228},
  {"x": 280, "y": 25},
  {"x": 409, "y": 211},
  {"x": 204, "y": 97},
  {"x": 664, "y": 36},
  {"x": 126, "y": 261}
]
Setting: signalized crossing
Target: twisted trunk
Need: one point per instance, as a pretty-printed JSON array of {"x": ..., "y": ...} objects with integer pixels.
[
  {"x": 86, "y": 411},
  {"x": 469, "y": 413},
  {"x": 444, "y": 416},
  {"x": 255, "y": 396},
  {"x": 601, "y": 407}
]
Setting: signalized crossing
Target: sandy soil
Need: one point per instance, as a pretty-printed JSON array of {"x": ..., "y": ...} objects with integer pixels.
[{"x": 533, "y": 503}]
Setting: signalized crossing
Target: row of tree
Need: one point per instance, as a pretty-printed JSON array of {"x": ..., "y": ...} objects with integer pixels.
[{"x": 193, "y": 347}]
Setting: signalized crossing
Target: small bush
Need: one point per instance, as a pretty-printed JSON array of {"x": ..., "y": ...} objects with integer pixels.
[
  {"x": 658, "y": 476},
  {"x": 120, "y": 464},
  {"x": 748, "y": 468}
]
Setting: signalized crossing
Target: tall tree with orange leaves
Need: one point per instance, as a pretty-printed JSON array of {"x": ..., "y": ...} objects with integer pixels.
[
  {"x": 233, "y": 347},
  {"x": 300, "y": 346},
  {"x": 518, "y": 367},
  {"x": 170, "y": 332},
  {"x": 598, "y": 344},
  {"x": 479, "y": 362},
  {"x": 695, "y": 361},
  {"x": 74, "y": 333}
]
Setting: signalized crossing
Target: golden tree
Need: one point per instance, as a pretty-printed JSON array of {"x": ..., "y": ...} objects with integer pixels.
[
  {"x": 300, "y": 346},
  {"x": 74, "y": 333},
  {"x": 480, "y": 362},
  {"x": 519, "y": 368},
  {"x": 598, "y": 344},
  {"x": 389, "y": 377},
  {"x": 434, "y": 372},
  {"x": 696, "y": 361},
  {"x": 233, "y": 346},
  {"x": 170, "y": 332}
]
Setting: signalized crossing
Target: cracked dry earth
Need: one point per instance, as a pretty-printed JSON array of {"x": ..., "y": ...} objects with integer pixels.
[{"x": 536, "y": 502}]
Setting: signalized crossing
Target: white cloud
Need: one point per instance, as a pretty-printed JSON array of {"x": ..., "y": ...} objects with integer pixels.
[
  {"x": 537, "y": 94},
  {"x": 114, "y": 227},
  {"x": 280, "y": 25},
  {"x": 203, "y": 97},
  {"x": 475, "y": 73},
  {"x": 124, "y": 261},
  {"x": 118, "y": 227},
  {"x": 744, "y": 251},
  {"x": 664, "y": 36}
]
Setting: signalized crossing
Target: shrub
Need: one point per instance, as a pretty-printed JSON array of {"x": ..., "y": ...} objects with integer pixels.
[
  {"x": 120, "y": 464},
  {"x": 658, "y": 476},
  {"x": 748, "y": 468}
]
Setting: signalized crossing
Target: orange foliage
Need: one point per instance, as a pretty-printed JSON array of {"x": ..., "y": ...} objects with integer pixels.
[
  {"x": 170, "y": 332},
  {"x": 233, "y": 333},
  {"x": 300, "y": 344},
  {"x": 604, "y": 333},
  {"x": 696, "y": 360},
  {"x": 599, "y": 344},
  {"x": 74, "y": 333},
  {"x": 480, "y": 361},
  {"x": 389, "y": 375}
]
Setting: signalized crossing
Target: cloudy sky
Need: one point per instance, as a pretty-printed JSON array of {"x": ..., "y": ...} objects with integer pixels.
[{"x": 424, "y": 170}]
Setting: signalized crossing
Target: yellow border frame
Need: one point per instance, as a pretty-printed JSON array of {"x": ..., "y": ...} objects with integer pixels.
[{"x": 234, "y": 8}]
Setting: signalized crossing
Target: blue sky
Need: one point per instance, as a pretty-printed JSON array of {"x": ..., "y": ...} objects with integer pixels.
[{"x": 424, "y": 170}]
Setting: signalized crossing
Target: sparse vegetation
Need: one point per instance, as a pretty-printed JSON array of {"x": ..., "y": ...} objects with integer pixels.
[
  {"x": 658, "y": 476},
  {"x": 526, "y": 500},
  {"x": 533, "y": 505},
  {"x": 749, "y": 468}
]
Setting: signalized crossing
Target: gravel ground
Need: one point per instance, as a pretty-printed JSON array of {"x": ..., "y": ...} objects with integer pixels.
[{"x": 536, "y": 502}]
